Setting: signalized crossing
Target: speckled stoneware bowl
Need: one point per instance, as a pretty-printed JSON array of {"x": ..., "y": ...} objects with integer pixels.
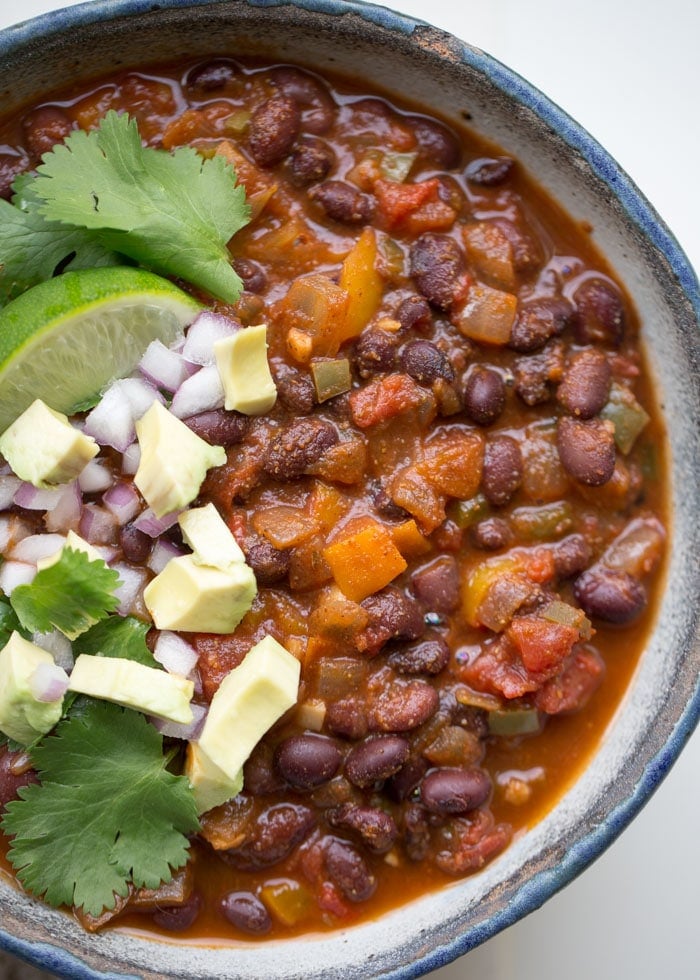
[{"x": 662, "y": 706}]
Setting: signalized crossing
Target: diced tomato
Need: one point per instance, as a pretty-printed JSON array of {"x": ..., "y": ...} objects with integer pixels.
[
  {"x": 540, "y": 566},
  {"x": 384, "y": 398},
  {"x": 329, "y": 900},
  {"x": 541, "y": 644},
  {"x": 397, "y": 200},
  {"x": 573, "y": 686}
]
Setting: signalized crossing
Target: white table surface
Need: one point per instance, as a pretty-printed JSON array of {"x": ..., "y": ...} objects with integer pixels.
[{"x": 629, "y": 72}]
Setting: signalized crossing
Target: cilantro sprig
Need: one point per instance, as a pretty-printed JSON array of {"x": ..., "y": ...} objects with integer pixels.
[
  {"x": 101, "y": 198},
  {"x": 105, "y": 815}
]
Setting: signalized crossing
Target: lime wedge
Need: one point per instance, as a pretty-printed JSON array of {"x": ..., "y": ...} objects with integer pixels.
[{"x": 64, "y": 340}]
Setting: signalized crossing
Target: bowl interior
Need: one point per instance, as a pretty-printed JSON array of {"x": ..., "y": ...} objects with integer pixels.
[{"x": 435, "y": 71}]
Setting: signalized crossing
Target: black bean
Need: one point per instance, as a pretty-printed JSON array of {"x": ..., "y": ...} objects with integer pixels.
[
  {"x": 425, "y": 362},
  {"x": 571, "y": 555},
  {"x": 15, "y": 772},
  {"x": 45, "y": 127},
  {"x": 211, "y": 76},
  {"x": 219, "y": 427},
  {"x": 253, "y": 276},
  {"x": 455, "y": 790},
  {"x": 374, "y": 828},
  {"x": 538, "y": 321},
  {"x": 491, "y": 534},
  {"x": 374, "y": 353},
  {"x": 297, "y": 445},
  {"x": 260, "y": 776},
  {"x": 273, "y": 837},
  {"x": 10, "y": 166},
  {"x": 503, "y": 469},
  {"x": 269, "y": 564},
  {"x": 245, "y": 911},
  {"x": 438, "y": 269},
  {"x": 343, "y": 202},
  {"x": 414, "y": 313},
  {"x": 274, "y": 126},
  {"x": 437, "y": 585},
  {"x": 403, "y": 706},
  {"x": 392, "y": 616},
  {"x": 307, "y": 760},
  {"x": 348, "y": 871},
  {"x": 375, "y": 759},
  {"x": 600, "y": 313},
  {"x": 135, "y": 544},
  {"x": 295, "y": 389},
  {"x": 438, "y": 144},
  {"x": 489, "y": 171},
  {"x": 610, "y": 594},
  {"x": 177, "y": 918},
  {"x": 484, "y": 395},
  {"x": 429, "y": 656},
  {"x": 311, "y": 160},
  {"x": 586, "y": 449},
  {"x": 585, "y": 387},
  {"x": 536, "y": 374},
  {"x": 310, "y": 93}
]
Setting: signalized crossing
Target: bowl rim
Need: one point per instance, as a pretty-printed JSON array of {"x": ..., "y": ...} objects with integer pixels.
[{"x": 642, "y": 215}]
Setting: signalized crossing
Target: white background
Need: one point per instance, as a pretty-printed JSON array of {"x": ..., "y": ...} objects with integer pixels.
[{"x": 629, "y": 72}]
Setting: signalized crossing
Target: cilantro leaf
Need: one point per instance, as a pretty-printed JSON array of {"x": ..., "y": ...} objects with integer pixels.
[
  {"x": 9, "y": 623},
  {"x": 71, "y": 595},
  {"x": 173, "y": 212},
  {"x": 106, "y": 813},
  {"x": 117, "y": 636}
]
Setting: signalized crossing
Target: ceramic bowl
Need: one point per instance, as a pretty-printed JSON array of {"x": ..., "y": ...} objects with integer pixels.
[{"x": 662, "y": 705}]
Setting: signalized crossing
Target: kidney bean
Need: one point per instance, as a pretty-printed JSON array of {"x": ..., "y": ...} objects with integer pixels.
[
  {"x": 437, "y": 143},
  {"x": 252, "y": 275},
  {"x": 219, "y": 427},
  {"x": 438, "y": 269},
  {"x": 343, "y": 202},
  {"x": 14, "y": 773},
  {"x": 310, "y": 93},
  {"x": 484, "y": 395},
  {"x": 274, "y": 126},
  {"x": 307, "y": 760},
  {"x": 413, "y": 313},
  {"x": 611, "y": 595},
  {"x": 347, "y": 717},
  {"x": 375, "y": 759},
  {"x": 311, "y": 160},
  {"x": 295, "y": 389},
  {"x": 11, "y": 164},
  {"x": 538, "y": 321},
  {"x": 585, "y": 387},
  {"x": 503, "y": 469},
  {"x": 403, "y": 706},
  {"x": 437, "y": 585},
  {"x": 375, "y": 828},
  {"x": 455, "y": 790},
  {"x": 536, "y": 374},
  {"x": 586, "y": 449},
  {"x": 45, "y": 127},
  {"x": 348, "y": 871},
  {"x": 211, "y": 76},
  {"x": 571, "y": 555},
  {"x": 260, "y": 776},
  {"x": 374, "y": 353},
  {"x": 297, "y": 445},
  {"x": 600, "y": 314},
  {"x": 489, "y": 171},
  {"x": 177, "y": 918},
  {"x": 401, "y": 785},
  {"x": 491, "y": 534},
  {"x": 245, "y": 911},
  {"x": 135, "y": 544},
  {"x": 275, "y": 834},
  {"x": 416, "y": 832},
  {"x": 429, "y": 656},
  {"x": 392, "y": 616},
  {"x": 425, "y": 362},
  {"x": 269, "y": 564}
]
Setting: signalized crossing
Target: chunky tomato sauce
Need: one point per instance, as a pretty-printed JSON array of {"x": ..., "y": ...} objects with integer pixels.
[{"x": 455, "y": 511}]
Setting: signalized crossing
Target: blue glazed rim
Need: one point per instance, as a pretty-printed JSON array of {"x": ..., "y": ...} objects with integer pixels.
[{"x": 642, "y": 215}]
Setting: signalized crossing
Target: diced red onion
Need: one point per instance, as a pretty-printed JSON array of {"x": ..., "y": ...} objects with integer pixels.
[
  {"x": 203, "y": 333},
  {"x": 34, "y": 498},
  {"x": 37, "y": 546},
  {"x": 112, "y": 421},
  {"x": 9, "y": 485},
  {"x": 190, "y": 732},
  {"x": 131, "y": 458},
  {"x": 98, "y": 525},
  {"x": 200, "y": 393},
  {"x": 58, "y": 645},
  {"x": 161, "y": 553},
  {"x": 14, "y": 573},
  {"x": 155, "y": 526},
  {"x": 96, "y": 477},
  {"x": 123, "y": 501},
  {"x": 65, "y": 515},
  {"x": 164, "y": 367},
  {"x": 108, "y": 552},
  {"x": 131, "y": 584},
  {"x": 175, "y": 653},
  {"x": 48, "y": 683}
]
